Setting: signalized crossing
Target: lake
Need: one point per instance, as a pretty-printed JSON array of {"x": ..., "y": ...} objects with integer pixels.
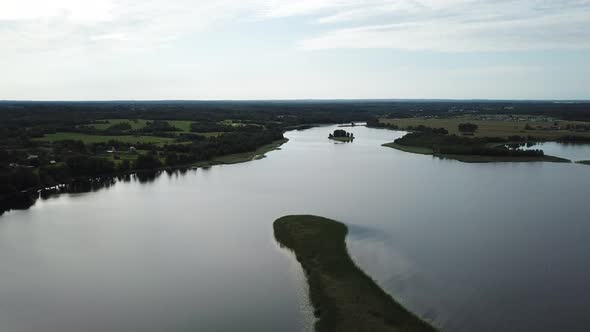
[
  {"x": 470, "y": 247},
  {"x": 571, "y": 151}
]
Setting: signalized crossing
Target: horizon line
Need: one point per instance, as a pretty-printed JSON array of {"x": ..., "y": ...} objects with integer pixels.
[{"x": 290, "y": 100}]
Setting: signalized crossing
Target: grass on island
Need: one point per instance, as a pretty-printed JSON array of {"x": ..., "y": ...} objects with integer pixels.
[
  {"x": 89, "y": 139},
  {"x": 490, "y": 128},
  {"x": 343, "y": 296},
  {"x": 583, "y": 162},
  {"x": 182, "y": 125}
]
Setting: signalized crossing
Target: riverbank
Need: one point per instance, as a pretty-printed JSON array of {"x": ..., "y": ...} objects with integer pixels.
[
  {"x": 343, "y": 296},
  {"x": 476, "y": 158},
  {"x": 236, "y": 158},
  {"x": 411, "y": 149},
  {"x": 26, "y": 198}
]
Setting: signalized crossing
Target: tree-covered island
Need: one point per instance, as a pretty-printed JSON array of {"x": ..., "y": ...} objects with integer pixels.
[{"x": 341, "y": 135}]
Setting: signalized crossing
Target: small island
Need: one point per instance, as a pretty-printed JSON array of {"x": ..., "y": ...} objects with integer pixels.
[
  {"x": 343, "y": 296},
  {"x": 584, "y": 162},
  {"x": 341, "y": 135}
]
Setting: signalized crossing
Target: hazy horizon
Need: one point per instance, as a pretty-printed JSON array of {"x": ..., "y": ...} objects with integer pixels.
[
  {"x": 282, "y": 50},
  {"x": 302, "y": 100}
]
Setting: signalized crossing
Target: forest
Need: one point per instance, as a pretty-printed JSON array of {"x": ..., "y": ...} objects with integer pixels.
[{"x": 47, "y": 143}]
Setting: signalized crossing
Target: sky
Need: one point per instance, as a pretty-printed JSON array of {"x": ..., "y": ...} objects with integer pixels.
[{"x": 286, "y": 49}]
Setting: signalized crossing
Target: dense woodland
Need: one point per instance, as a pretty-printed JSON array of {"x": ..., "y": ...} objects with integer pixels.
[
  {"x": 29, "y": 160},
  {"x": 441, "y": 143}
]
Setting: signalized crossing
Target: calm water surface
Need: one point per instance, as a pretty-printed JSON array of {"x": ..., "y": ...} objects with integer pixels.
[
  {"x": 574, "y": 152},
  {"x": 471, "y": 247}
]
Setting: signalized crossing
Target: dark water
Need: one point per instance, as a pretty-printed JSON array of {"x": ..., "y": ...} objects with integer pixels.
[{"x": 472, "y": 247}]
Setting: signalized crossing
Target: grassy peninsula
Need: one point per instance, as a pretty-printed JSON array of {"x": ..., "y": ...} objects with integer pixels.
[
  {"x": 439, "y": 143},
  {"x": 411, "y": 149},
  {"x": 343, "y": 296}
]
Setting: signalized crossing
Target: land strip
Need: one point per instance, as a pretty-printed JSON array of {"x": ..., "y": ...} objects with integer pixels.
[{"x": 343, "y": 296}]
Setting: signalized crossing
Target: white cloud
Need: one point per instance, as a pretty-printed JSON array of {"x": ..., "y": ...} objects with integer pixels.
[
  {"x": 546, "y": 32},
  {"x": 437, "y": 25},
  {"x": 74, "y": 10},
  {"x": 458, "y": 26}
]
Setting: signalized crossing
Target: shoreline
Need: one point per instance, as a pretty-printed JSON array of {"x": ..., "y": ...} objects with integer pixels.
[
  {"x": 229, "y": 159},
  {"x": 474, "y": 158},
  {"x": 344, "y": 298}
]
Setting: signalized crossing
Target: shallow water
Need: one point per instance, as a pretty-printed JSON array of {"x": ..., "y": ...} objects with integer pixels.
[
  {"x": 574, "y": 152},
  {"x": 471, "y": 247}
]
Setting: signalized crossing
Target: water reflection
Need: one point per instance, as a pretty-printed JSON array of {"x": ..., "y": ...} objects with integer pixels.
[
  {"x": 27, "y": 199},
  {"x": 471, "y": 247},
  {"x": 571, "y": 151}
]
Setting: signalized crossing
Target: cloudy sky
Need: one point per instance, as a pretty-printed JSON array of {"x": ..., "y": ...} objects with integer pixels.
[{"x": 294, "y": 49}]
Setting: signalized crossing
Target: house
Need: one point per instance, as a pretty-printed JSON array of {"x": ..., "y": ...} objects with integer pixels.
[
  {"x": 132, "y": 149},
  {"x": 112, "y": 150}
]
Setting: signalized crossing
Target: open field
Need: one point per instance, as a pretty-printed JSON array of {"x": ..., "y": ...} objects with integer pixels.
[
  {"x": 182, "y": 125},
  {"x": 89, "y": 139},
  {"x": 136, "y": 124},
  {"x": 492, "y": 128},
  {"x": 343, "y": 296}
]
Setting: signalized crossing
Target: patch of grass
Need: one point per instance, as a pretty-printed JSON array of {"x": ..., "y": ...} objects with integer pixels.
[
  {"x": 411, "y": 149},
  {"x": 89, "y": 139},
  {"x": 244, "y": 157},
  {"x": 135, "y": 124},
  {"x": 183, "y": 125},
  {"x": 343, "y": 296},
  {"x": 583, "y": 162},
  {"x": 490, "y": 128}
]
